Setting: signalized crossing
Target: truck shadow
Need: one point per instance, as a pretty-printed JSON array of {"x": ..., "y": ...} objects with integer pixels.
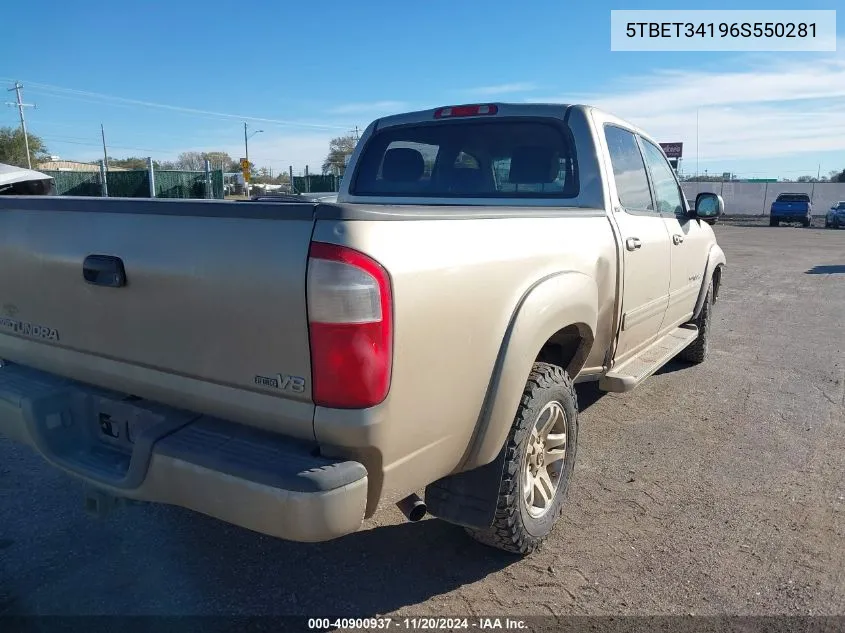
[
  {"x": 375, "y": 571},
  {"x": 588, "y": 394},
  {"x": 672, "y": 366}
]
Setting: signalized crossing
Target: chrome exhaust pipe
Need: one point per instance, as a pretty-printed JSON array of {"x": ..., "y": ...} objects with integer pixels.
[{"x": 412, "y": 507}]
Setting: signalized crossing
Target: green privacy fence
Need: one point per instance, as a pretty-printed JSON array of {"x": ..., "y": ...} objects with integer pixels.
[
  {"x": 76, "y": 183},
  {"x": 128, "y": 184},
  {"x": 315, "y": 183},
  {"x": 136, "y": 183},
  {"x": 186, "y": 184}
]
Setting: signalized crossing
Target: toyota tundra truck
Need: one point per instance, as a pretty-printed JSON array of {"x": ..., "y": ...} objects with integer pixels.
[{"x": 290, "y": 367}]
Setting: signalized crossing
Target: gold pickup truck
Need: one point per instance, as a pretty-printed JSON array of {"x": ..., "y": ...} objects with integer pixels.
[{"x": 290, "y": 367}]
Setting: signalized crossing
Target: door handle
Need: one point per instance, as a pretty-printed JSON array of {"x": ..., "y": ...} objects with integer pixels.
[
  {"x": 677, "y": 239},
  {"x": 104, "y": 270},
  {"x": 633, "y": 243}
]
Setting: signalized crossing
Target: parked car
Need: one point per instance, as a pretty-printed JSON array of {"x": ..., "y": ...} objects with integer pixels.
[
  {"x": 791, "y": 207},
  {"x": 290, "y": 367},
  {"x": 835, "y": 217},
  {"x": 17, "y": 181}
]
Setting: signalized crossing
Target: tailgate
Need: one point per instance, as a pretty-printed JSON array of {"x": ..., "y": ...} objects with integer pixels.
[
  {"x": 789, "y": 206},
  {"x": 212, "y": 316}
]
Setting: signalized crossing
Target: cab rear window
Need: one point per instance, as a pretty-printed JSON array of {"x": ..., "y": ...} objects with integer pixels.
[{"x": 506, "y": 158}]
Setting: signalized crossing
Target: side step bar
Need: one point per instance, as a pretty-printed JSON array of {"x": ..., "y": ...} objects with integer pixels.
[{"x": 633, "y": 371}]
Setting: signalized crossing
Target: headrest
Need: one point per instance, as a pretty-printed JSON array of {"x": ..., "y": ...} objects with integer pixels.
[
  {"x": 532, "y": 165},
  {"x": 402, "y": 164}
]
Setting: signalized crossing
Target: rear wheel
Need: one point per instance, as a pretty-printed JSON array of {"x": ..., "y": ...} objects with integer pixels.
[
  {"x": 539, "y": 458},
  {"x": 696, "y": 352},
  {"x": 807, "y": 222},
  {"x": 773, "y": 222}
]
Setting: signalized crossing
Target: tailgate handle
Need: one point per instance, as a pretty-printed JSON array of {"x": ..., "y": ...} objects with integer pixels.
[{"x": 104, "y": 270}]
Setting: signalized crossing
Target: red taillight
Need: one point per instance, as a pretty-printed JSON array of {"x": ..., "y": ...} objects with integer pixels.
[
  {"x": 465, "y": 110},
  {"x": 350, "y": 325}
]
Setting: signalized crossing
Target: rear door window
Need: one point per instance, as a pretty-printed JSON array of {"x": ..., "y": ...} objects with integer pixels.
[
  {"x": 628, "y": 169},
  {"x": 506, "y": 158}
]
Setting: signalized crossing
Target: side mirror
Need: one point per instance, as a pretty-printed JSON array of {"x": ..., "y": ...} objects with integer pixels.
[{"x": 708, "y": 207}]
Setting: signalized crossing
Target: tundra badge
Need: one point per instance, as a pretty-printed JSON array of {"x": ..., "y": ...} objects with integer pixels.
[{"x": 29, "y": 329}]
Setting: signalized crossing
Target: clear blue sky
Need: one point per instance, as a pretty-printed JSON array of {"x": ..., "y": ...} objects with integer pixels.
[{"x": 313, "y": 72}]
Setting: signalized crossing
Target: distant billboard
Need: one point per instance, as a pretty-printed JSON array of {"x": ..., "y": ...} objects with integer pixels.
[{"x": 673, "y": 150}]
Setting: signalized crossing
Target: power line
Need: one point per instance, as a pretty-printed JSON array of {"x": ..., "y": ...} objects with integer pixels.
[
  {"x": 21, "y": 105},
  {"x": 105, "y": 99},
  {"x": 58, "y": 139}
]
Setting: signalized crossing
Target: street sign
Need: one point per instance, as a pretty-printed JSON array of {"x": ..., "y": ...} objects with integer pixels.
[
  {"x": 245, "y": 169},
  {"x": 673, "y": 150}
]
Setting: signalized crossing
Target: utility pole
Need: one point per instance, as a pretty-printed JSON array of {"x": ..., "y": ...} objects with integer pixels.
[
  {"x": 21, "y": 105},
  {"x": 208, "y": 184},
  {"x": 696, "y": 143},
  {"x": 105, "y": 153},
  {"x": 246, "y": 153},
  {"x": 151, "y": 170},
  {"x": 104, "y": 180}
]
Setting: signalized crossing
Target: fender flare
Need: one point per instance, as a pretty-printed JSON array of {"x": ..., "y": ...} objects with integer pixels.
[
  {"x": 567, "y": 298},
  {"x": 715, "y": 259}
]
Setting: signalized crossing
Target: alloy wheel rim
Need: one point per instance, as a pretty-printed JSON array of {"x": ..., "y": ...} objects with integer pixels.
[{"x": 544, "y": 459}]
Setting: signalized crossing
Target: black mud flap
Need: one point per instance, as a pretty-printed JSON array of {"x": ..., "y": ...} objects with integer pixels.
[{"x": 469, "y": 498}]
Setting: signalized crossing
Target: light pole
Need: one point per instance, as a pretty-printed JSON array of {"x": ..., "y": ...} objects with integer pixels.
[{"x": 246, "y": 152}]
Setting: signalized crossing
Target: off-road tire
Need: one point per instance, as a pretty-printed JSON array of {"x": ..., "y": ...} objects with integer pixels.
[
  {"x": 774, "y": 222},
  {"x": 514, "y": 529},
  {"x": 696, "y": 352}
]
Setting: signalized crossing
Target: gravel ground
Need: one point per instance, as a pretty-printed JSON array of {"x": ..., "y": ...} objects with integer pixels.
[{"x": 714, "y": 489}]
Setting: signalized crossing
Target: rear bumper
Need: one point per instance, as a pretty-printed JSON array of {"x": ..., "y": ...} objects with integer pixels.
[
  {"x": 257, "y": 480},
  {"x": 790, "y": 218},
  {"x": 797, "y": 216}
]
